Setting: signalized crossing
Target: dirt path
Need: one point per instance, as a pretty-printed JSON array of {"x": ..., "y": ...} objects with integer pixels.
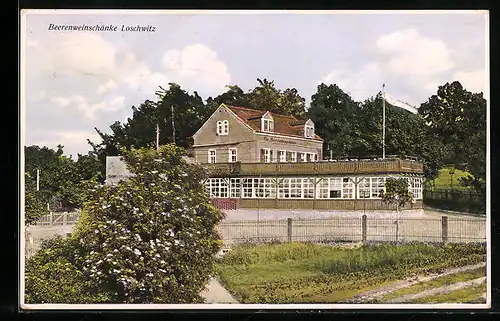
[
  {"x": 440, "y": 290},
  {"x": 373, "y": 294},
  {"x": 215, "y": 293}
]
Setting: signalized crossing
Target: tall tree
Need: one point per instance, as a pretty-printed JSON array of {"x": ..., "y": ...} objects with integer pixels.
[
  {"x": 458, "y": 118},
  {"x": 334, "y": 114},
  {"x": 265, "y": 96},
  {"x": 187, "y": 110}
]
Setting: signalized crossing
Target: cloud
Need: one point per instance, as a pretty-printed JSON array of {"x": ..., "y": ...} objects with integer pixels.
[
  {"x": 410, "y": 64},
  {"x": 88, "y": 110},
  {"x": 361, "y": 84},
  {"x": 196, "y": 65},
  {"x": 107, "y": 87},
  {"x": 409, "y": 53},
  {"x": 74, "y": 142},
  {"x": 81, "y": 52},
  {"x": 472, "y": 80}
]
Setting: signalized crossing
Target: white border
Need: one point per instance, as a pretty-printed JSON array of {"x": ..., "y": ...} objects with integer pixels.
[{"x": 23, "y": 14}]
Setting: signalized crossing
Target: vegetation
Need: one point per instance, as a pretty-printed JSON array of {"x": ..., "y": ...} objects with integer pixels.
[
  {"x": 445, "y": 180},
  {"x": 471, "y": 295},
  {"x": 311, "y": 273},
  {"x": 438, "y": 282},
  {"x": 150, "y": 239}
]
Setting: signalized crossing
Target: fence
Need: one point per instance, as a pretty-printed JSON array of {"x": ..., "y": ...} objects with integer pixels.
[
  {"x": 359, "y": 229},
  {"x": 58, "y": 218},
  {"x": 456, "y": 200}
]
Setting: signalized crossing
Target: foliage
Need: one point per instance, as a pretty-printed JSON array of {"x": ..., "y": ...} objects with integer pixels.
[
  {"x": 312, "y": 273},
  {"x": 152, "y": 238},
  {"x": 54, "y": 275},
  {"x": 35, "y": 206},
  {"x": 396, "y": 191},
  {"x": 60, "y": 176},
  {"x": 458, "y": 118}
]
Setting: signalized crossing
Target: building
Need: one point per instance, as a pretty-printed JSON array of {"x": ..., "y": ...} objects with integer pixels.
[
  {"x": 258, "y": 159},
  {"x": 238, "y": 134}
]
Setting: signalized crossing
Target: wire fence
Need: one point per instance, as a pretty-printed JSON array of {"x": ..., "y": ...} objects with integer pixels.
[
  {"x": 355, "y": 229},
  {"x": 58, "y": 218},
  {"x": 456, "y": 200}
]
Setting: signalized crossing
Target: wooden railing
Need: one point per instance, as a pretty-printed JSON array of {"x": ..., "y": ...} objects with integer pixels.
[
  {"x": 314, "y": 168},
  {"x": 58, "y": 218}
]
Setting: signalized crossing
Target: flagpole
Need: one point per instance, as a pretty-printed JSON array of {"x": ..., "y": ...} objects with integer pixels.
[
  {"x": 383, "y": 121},
  {"x": 173, "y": 123}
]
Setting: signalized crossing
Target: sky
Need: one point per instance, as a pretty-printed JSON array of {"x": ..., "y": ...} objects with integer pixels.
[{"x": 76, "y": 81}]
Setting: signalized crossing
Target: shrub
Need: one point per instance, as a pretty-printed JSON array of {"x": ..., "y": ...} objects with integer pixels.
[
  {"x": 152, "y": 238},
  {"x": 54, "y": 275},
  {"x": 149, "y": 239}
]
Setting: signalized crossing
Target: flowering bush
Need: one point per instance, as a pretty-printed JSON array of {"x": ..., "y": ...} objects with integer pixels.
[{"x": 152, "y": 238}]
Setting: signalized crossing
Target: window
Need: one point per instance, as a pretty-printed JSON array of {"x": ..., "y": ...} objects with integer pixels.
[
  {"x": 364, "y": 188},
  {"x": 294, "y": 157},
  {"x": 212, "y": 157},
  {"x": 309, "y": 131},
  {"x": 295, "y": 188},
  {"x": 217, "y": 187},
  {"x": 335, "y": 187},
  {"x": 347, "y": 188},
  {"x": 267, "y": 125},
  {"x": 233, "y": 156},
  {"x": 222, "y": 127},
  {"x": 310, "y": 157},
  {"x": 266, "y": 155},
  {"x": 259, "y": 188},
  {"x": 282, "y": 156},
  {"x": 234, "y": 191},
  {"x": 416, "y": 187},
  {"x": 371, "y": 187},
  {"x": 302, "y": 157}
]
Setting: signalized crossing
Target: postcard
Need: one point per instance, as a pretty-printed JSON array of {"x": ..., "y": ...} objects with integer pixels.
[{"x": 203, "y": 159}]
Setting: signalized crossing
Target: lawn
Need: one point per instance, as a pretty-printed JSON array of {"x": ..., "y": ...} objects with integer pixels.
[
  {"x": 445, "y": 179},
  {"x": 313, "y": 273}
]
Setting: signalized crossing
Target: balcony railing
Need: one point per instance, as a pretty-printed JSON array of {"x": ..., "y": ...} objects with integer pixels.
[{"x": 364, "y": 166}]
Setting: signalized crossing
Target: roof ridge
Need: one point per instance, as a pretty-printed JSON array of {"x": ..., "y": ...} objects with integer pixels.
[{"x": 262, "y": 111}]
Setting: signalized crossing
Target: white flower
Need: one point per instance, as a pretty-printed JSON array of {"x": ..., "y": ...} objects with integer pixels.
[
  {"x": 99, "y": 262},
  {"x": 137, "y": 252},
  {"x": 115, "y": 250},
  {"x": 109, "y": 255},
  {"x": 177, "y": 242},
  {"x": 99, "y": 273},
  {"x": 152, "y": 184},
  {"x": 96, "y": 231},
  {"x": 154, "y": 172},
  {"x": 138, "y": 237},
  {"x": 177, "y": 186},
  {"x": 157, "y": 255},
  {"x": 162, "y": 262},
  {"x": 162, "y": 270}
]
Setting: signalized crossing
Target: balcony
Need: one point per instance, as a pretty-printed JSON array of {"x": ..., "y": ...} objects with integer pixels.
[{"x": 316, "y": 168}]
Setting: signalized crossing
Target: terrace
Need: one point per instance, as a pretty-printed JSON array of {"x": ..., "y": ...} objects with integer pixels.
[{"x": 325, "y": 167}]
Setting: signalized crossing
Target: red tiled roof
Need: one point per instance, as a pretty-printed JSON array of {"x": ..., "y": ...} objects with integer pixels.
[{"x": 283, "y": 124}]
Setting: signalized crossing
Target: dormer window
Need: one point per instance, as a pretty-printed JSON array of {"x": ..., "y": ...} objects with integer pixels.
[
  {"x": 222, "y": 127},
  {"x": 309, "y": 129},
  {"x": 267, "y": 123}
]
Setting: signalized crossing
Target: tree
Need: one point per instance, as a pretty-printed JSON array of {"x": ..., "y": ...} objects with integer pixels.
[
  {"x": 396, "y": 192},
  {"x": 35, "y": 206},
  {"x": 189, "y": 113},
  {"x": 334, "y": 114},
  {"x": 458, "y": 118},
  {"x": 265, "y": 96},
  {"x": 151, "y": 238}
]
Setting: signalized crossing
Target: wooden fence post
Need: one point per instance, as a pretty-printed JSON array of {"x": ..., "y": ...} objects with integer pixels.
[
  {"x": 444, "y": 229},
  {"x": 289, "y": 234},
  {"x": 363, "y": 228}
]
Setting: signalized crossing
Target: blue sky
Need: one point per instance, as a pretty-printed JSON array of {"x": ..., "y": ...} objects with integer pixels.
[{"x": 77, "y": 80}]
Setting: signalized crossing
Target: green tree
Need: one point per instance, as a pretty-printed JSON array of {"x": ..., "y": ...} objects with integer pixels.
[
  {"x": 458, "y": 118},
  {"x": 334, "y": 114},
  {"x": 35, "y": 206},
  {"x": 396, "y": 192},
  {"x": 189, "y": 113}
]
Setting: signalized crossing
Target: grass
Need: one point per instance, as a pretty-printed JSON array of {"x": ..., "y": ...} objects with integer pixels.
[
  {"x": 445, "y": 179},
  {"x": 473, "y": 294},
  {"x": 312, "y": 273},
  {"x": 441, "y": 281}
]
